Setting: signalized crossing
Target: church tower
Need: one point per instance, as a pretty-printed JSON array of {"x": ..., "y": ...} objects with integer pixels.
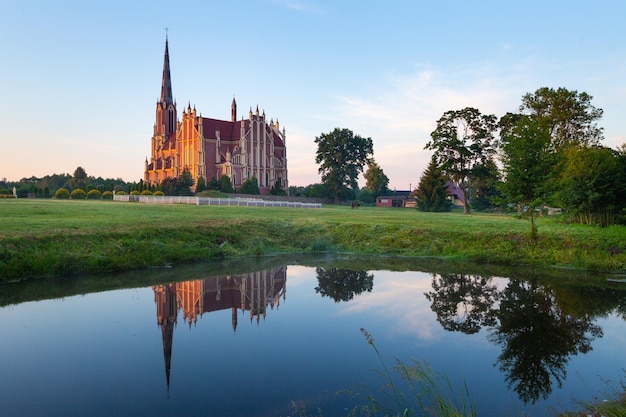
[{"x": 165, "y": 123}]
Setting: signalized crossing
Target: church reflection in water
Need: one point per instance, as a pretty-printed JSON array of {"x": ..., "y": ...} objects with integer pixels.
[{"x": 253, "y": 292}]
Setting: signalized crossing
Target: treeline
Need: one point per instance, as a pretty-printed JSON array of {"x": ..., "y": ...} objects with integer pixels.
[{"x": 549, "y": 154}]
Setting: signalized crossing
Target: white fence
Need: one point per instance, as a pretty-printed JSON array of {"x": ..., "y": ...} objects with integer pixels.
[{"x": 207, "y": 201}]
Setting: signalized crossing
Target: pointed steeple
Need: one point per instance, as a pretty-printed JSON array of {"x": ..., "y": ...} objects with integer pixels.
[
  {"x": 166, "y": 83},
  {"x": 166, "y": 115},
  {"x": 233, "y": 111}
]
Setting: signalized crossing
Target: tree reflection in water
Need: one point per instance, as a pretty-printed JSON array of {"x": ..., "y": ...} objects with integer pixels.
[
  {"x": 342, "y": 284},
  {"x": 536, "y": 336}
]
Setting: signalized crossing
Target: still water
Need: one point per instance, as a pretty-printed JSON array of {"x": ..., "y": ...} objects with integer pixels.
[{"x": 253, "y": 342}]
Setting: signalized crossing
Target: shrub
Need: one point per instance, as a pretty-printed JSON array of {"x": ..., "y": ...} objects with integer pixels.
[
  {"x": 94, "y": 195},
  {"x": 78, "y": 194},
  {"x": 146, "y": 192},
  {"x": 121, "y": 193},
  {"x": 159, "y": 193},
  {"x": 107, "y": 195},
  {"x": 62, "y": 194},
  {"x": 134, "y": 192}
]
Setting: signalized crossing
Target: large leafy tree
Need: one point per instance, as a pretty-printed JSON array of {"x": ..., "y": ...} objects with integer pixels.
[
  {"x": 569, "y": 116},
  {"x": 79, "y": 179},
  {"x": 462, "y": 140},
  {"x": 375, "y": 179},
  {"x": 431, "y": 192},
  {"x": 341, "y": 156},
  {"x": 591, "y": 186},
  {"x": 526, "y": 160}
]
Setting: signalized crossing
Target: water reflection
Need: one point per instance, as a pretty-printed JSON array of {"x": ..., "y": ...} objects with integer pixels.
[
  {"x": 467, "y": 322},
  {"x": 342, "y": 284},
  {"x": 253, "y": 292},
  {"x": 536, "y": 336}
]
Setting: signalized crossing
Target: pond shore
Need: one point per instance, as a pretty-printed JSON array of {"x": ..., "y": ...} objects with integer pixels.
[{"x": 44, "y": 238}]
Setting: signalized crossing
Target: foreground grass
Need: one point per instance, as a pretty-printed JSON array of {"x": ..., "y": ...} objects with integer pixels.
[{"x": 58, "y": 238}]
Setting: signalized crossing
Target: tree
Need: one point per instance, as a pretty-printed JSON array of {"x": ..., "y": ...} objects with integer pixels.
[
  {"x": 168, "y": 186},
  {"x": 569, "y": 116},
  {"x": 485, "y": 193},
  {"x": 341, "y": 156},
  {"x": 79, "y": 180},
  {"x": 250, "y": 186},
  {"x": 225, "y": 185},
  {"x": 462, "y": 140},
  {"x": 527, "y": 161},
  {"x": 200, "y": 185},
  {"x": 276, "y": 189},
  {"x": 375, "y": 179},
  {"x": 184, "y": 182},
  {"x": 431, "y": 192},
  {"x": 366, "y": 196},
  {"x": 590, "y": 185}
]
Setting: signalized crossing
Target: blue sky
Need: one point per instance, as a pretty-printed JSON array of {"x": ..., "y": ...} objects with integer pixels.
[{"x": 80, "y": 80}]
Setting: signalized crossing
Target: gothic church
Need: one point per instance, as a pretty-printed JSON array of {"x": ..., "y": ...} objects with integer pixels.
[{"x": 240, "y": 149}]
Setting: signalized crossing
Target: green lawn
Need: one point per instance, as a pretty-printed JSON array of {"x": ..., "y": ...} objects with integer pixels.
[{"x": 60, "y": 237}]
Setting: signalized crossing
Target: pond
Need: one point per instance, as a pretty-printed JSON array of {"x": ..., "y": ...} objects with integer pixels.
[{"x": 232, "y": 339}]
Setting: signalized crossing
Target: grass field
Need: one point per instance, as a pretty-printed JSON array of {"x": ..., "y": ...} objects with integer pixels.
[{"x": 57, "y": 238}]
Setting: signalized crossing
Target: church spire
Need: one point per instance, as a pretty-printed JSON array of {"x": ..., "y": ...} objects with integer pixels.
[
  {"x": 166, "y": 116},
  {"x": 166, "y": 83}
]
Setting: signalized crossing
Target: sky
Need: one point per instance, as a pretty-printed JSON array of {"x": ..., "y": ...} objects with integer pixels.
[{"x": 79, "y": 80}]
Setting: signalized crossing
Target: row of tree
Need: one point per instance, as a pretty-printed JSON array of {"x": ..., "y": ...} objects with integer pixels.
[{"x": 547, "y": 154}]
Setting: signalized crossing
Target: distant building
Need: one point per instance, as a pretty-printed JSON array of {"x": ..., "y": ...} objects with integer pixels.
[
  {"x": 455, "y": 194},
  {"x": 241, "y": 149},
  {"x": 398, "y": 199}
]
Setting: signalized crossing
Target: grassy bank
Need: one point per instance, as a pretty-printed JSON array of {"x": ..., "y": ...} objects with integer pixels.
[{"x": 41, "y": 238}]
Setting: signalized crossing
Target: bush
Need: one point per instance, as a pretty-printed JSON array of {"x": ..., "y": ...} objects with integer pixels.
[
  {"x": 94, "y": 195},
  {"x": 158, "y": 193},
  {"x": 146, "y": 192},
  {"x": 78, "y": 194},
  {"x": 107, "y": 195},
  {"x": 134, "y": 192},
  {"x": 62, "y": 194},
  {"x": 121, "y": 193}
]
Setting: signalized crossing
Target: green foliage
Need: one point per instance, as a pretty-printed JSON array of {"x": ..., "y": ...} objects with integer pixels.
[
  {"x": 569, "y": 116},
  {"x": 62, "y": 194},
  {"x": 366, "y": 196},
  {"x": 94, "y": 195},
  {"x": 78, "y": 194},
  {"x": 431, "y": 192},
  {"x": 318, "y": 191},
  {"x": 527, "y": 161},
  {"x": 277, "y": 189},
  {"x": 79, "y": 179},
  {"x": 462, "y": 140},
  {"x": 146, "y": 192},
  {"x": 341, "y": 156},
  {"x": 121, "y": 192},
  {"x": 375, "y": 179},
  {"x": 250, "y": 186},
  {"x": 168, "y": 186},
  {"x": 107, "y": 195},
  {"x": 225, "y": 185},
  {"x": 200, "y": 185},
  {"x": 184, "y": 183},
  {"x": 158, "y": 193},
  {"x": 590, "y": 186}
]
